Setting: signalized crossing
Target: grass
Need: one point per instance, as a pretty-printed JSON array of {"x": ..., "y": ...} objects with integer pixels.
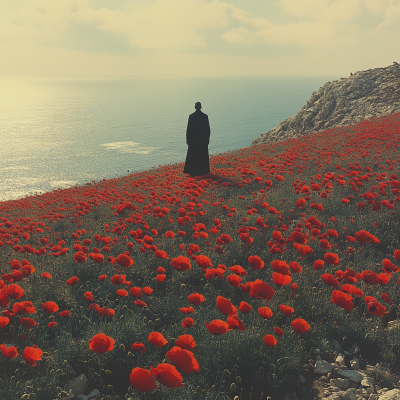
[{"x": 244, "y": 189}]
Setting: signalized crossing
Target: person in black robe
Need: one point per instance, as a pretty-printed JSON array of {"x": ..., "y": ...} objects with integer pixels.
[{"x": 197, "y": 138}]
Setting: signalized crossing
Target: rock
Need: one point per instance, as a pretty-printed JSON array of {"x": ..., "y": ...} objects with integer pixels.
[
  {"x": 393, "y": 394},
  {"x": 333, "y": 396},
  {"x": 340, "y": 360},
  {"x": 342, "y": 384},
  {"x": 94, "y": 394},
  {"x": 316, "y": 351},
  {"x": 78, "y": 385},
  {"x": 367, "y": 381},
  {"x": 354, "y": 364},
  {"x": 350, "y": 394},
  {"x": 323, "y": 367},
  {"x": 361, "y": 96},
  {"x": 352, "y": 376}
]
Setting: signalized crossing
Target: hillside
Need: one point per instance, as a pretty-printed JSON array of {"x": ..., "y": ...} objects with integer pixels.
[{"x": 361, "y": 96}]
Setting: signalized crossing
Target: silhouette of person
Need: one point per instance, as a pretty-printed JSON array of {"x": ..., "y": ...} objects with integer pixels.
[{"x": 197, "y": 138}]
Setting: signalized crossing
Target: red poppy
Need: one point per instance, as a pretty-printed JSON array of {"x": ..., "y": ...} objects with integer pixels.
[
  {"x": 140, "y": 303},
  {"x": 157, "y": 339},
  {"x": 300, "y": 326},
  {"x": 261, "y": 290},
  {"x": 235, "y": 322},
  {"x": 32, "y": 354},
  {"x": 397, "y": 255},
  {"x": 185, "y": 342},
  {"x": 376, "y": 308},
  {"x": 369, "y": 277},
  {"x": 280, "y": 279},
  {"x": 161, "y": 278},
  {"x": 167, "y": 375},
  {"x": 237, "y": 269},
  {"x": 278, "y": 331},
  {"x": 265, "y": 312},
  {"x": 342, "y": 300},
  {"x": 65, "y": 314},
  {"x": 138, "y": 347},
  {"x": 8, "y": 352},
  {"x": 330, "y": 280},
  {"x": 147, "y": 290},
  {"x": 286, "y": 310},
  {"x": 124, "y": 260},
  {"x": 196, "y": 299},
  {"x": 256, "y": 263},
  {"x": 187, "y": 322},
  {"x": 142, "y": 380},
  {"x": 270, "y": 340},
  {"x": 101, "y": 343},
  {"x": 234, "y": 280},
  {"x": 4, "y": 321},
  {"x": 25, "y": 307},
  {"x": 318, "y": 264},
  {"x": 15, "y": 291},
  {"x": 27, "y": 322},
  {"x": 203, "y": 261},
  {"x": 217, "y": 327},
  {"x": 225, "y": 306},
  {"x": 324, "y": 244},
  {"x": 50, "y": 307},
  {"x": 244, "y": 307},
  {"x": 181, "y": 263},
  {"x": 183, "y": 359},
  {"x": 118, "y": 279},
  {"x": 80, "y": 257},
  {"x": 73, "y": 281},
  {"x": 364, "y": 236},
  {"x": 160, "y": 254},
  {"x": 187, "y": 310},
  {"x": 331, "y": 258}
]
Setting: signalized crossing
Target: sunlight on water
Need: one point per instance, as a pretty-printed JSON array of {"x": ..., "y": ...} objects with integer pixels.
[{"x": 56, "y": 133}]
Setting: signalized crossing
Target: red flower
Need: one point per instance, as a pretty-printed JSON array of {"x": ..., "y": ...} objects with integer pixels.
[
  {"x": 234, "y": 322},
  {"x": 147, "y": 290},
  {"x": 196, "y": 299},
  {"x": 4, "y": 321},
  {"x": 157, "y": 339},
  {"x": 124, "y": 260},
  {"x": 101, "y": 343},
  {"x": 278, "y": 331},
  {"x": 261, "y": 290},
  {"x": 25, "y": 307},
  {"x": 167, "y": 375},
  {"x": 256, "y": 263},
  {"x": 234, "y": 280},
  {"x": 318, "y": 264},
  {"x": 217, "y": 327},
  {"x": 160, "y": 254},
  {"x": 280, "y": 279},
  {"x": 15, "y": 291},
  {"x": 181, "y": 263},
  {"x": 185, "y": 342},
  {"x": 331, "y": 258},
  {"x": 118, "y": 279},
  {"x": 225, "y": 306},
  {"x": 244, "y": 307},
  {"x": 330, "y": 280},
  {"x": 265, "y": 312},
  {"x": 138, "y": 347},
  {"x": 27, "y": 322},
  {"x": 300, "y": 326},
  {"x": 187, "y": 322},
  {"x": 142, "y": 380},
  {"x": 342, "y": 300},
  {"x": 270, "y": 340},
  {"x": 183, "y": 359},
  {"x": 32, "y": 354},
  {"x": 286, "y": 310},
  {"x": 65, "y": 314},
  {"x": 8, "y": 352},
  {"x": 161, "y": 278},
  {"x": 203, "y": 261},
  {"x": 49, "y": 307},
  {"x": 80, "y": 257}
]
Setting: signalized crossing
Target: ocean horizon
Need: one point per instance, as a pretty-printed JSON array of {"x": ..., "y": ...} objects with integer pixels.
[{"x": 58, "y": 133}]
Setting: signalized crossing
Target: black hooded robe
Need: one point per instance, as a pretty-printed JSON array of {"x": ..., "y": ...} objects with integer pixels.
[{"x": 197, "y": 138}]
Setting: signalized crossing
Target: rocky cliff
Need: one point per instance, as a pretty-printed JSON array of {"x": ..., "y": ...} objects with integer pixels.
[{"x": 363, "y": 95}]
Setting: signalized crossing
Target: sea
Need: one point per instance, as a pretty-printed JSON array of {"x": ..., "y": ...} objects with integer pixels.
[{"x": 58, "y": 133}]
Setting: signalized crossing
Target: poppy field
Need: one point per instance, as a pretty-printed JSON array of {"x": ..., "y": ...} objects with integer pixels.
[{"x": 158, "y": 285}]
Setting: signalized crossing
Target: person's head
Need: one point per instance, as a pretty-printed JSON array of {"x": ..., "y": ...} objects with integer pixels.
[{"x": 197, "y": 106}]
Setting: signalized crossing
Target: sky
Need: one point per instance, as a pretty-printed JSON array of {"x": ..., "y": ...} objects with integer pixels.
[{"x": 121, "y": 38}]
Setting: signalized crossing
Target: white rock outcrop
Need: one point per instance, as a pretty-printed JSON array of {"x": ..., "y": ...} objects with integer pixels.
[{"x": 347, "y": 101}]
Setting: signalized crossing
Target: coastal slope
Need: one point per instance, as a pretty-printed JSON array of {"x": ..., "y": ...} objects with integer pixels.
[{"x": 347, "y": 101}]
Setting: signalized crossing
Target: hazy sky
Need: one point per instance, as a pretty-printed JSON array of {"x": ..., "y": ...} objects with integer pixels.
[{"x": 54, "y": 38}]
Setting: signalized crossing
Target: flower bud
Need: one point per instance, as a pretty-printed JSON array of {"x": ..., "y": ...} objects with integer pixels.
[
  {"x": 273, "y": 368},
  {"x": 274, "y": 377},
  {"x": 121, "y": 347},
  {"x": 238, "y": 379},
  {"x": 227, "y": 373},
  {"x": 233, "y": 387},
  {"x": 108, "y": 372}
]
